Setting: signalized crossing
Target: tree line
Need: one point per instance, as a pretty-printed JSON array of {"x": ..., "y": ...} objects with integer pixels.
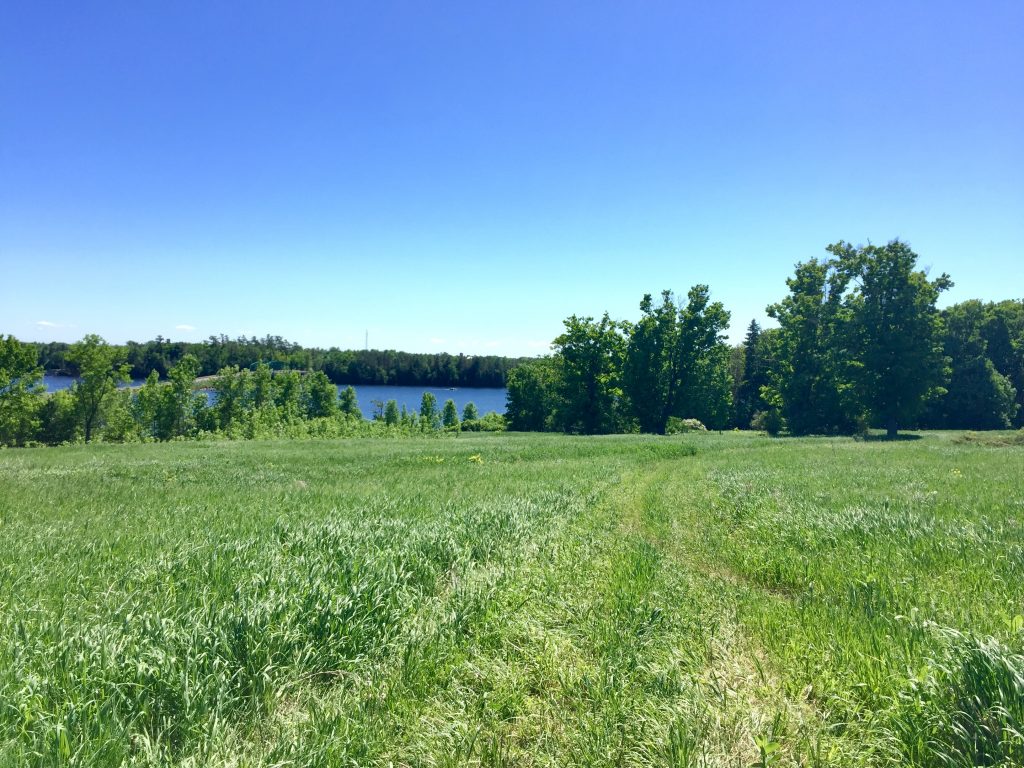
[
  {"x": 860, "y": 344},
  {"x": 341, "y": 366},
  {"x": 237, "y": 403}
]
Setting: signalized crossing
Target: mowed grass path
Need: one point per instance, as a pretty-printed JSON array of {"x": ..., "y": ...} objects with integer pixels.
[{"x": 513, "y": 600}]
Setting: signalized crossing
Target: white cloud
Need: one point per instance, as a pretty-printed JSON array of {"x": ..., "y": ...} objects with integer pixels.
[
  {"x": 47, "y": 324},
  {"x": 436, "y": 340},
  {"x": 184, "y": 327}
]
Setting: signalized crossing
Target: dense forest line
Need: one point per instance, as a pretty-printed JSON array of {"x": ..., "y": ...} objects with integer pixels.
[
  {"x": 860, "y": 344},
  {"x": 343, "y": 367}
]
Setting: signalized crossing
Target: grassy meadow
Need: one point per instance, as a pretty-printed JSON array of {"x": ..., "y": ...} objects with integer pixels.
[{"x": 519, "y": 600}]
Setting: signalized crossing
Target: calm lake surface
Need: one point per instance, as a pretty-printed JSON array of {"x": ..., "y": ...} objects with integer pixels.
[
  {"x": 53, "y": 383},
  {"x": 484, "y": 399}
]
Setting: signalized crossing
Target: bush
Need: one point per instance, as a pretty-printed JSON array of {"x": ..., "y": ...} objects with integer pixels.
[
  {"x": 58, "y": 422},
  {"x": 490, "y": 422},
  {"x": 677, "y": 426},
  {"x": 769, "y": 421}
]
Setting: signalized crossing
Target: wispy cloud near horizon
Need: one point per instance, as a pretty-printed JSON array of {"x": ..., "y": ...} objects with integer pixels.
[{"x": 184, "y": 327}]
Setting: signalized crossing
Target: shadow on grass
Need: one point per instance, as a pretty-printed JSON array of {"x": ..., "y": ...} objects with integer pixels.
[{"x": 887, "y": 439}]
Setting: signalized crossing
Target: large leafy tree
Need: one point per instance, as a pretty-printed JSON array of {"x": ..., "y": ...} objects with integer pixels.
[
  {"x": 1003, "y": 332},
  {"x": 813, "y": 380},
  {"x": 705, "y": 384},
  {"x": 20, "y": 390},
  {"x": 978, "y": 396},
  {"x": 184, "y": 404},
  {"x": 589, "y": 360},
  {"x": 319, "y": 396},
  {"x": 896, "y": 330},
  {"x": 100, "y": 370},
  {"x": 531, "y": 393},
  {"x": 348, "y": 404},
  {"x": 676, "y": 361},
  {"x": 232, "y": 388},
  {"x": 650, "y": 375}
]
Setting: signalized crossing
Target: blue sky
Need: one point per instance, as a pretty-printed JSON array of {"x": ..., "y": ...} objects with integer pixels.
[{"x": 461, "y": 177}]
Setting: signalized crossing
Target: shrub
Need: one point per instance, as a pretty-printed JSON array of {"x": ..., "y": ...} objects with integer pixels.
[
  {"x": 489, "y": 422},
  {"x": 677, "y": 426},
  {"x": 769, "y": 421}
]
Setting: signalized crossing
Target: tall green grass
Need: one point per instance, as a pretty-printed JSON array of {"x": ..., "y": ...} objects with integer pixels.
[{"x": 513, "y": 600}]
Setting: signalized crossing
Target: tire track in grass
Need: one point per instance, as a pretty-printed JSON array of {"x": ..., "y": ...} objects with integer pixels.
[{"x": 749, "y": 718}]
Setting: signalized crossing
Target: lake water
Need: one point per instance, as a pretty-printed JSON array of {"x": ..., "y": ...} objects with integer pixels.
[
  {"x": 484, "y": 399},
  {"x": 53, "y": 383}
]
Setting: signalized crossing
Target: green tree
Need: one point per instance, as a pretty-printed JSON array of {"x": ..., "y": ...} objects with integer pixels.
[
  {"x": 100, "y": 370},
  {"x": 470, "y": 413},
  {"x": 755, "y": 377},
  {"x": 813, "y": 381},
  {"x": 449, "y": 415},
  {"x": 288, "y": 394},
  {"x": 319, "y": 396},
  {"x": 704, "y": 390},
  {"x": 392, "y": 417},
  {"x": 430, "y": 418},
  {"x": 231, "y": 392},
  {"x": 149, "y": 408},
  {"x": 978, "y": 396},
  {"x": 650, "y": 372},
  {"x": 589, "y": 360},
  {"x": 532, "y": 392},
  {"x": 677, "y": 362},
  {"x": 1004, "y": 341},
  {"x": 348, "y": 404},
  {"x": 20, "y": 391},
  {"x": 262, "y": 386},
  {"x": 897, "y": 330},
  {"x": 58, "y": 418},
  {"x": 183, "y": 403}
]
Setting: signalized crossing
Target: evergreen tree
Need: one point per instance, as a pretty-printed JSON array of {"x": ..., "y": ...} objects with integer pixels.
[
  {"x": 755, "y": 376},
  {"x": 449, "y": 414},
  {"x": 430, "y": 418},
  {"x": 391, "y": 414}
]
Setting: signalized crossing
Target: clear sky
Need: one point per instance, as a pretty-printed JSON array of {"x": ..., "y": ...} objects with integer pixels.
[{"x": 462, "y": 176}]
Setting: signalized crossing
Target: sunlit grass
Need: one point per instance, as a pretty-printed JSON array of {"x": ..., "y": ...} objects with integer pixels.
[{"x": 513, "y": 600}]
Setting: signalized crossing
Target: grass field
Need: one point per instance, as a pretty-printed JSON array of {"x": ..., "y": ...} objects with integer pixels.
[{"x": 514, "y": 600}]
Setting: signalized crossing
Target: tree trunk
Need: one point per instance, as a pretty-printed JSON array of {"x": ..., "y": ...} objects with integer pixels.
[{"x": 891, "y": 428}]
